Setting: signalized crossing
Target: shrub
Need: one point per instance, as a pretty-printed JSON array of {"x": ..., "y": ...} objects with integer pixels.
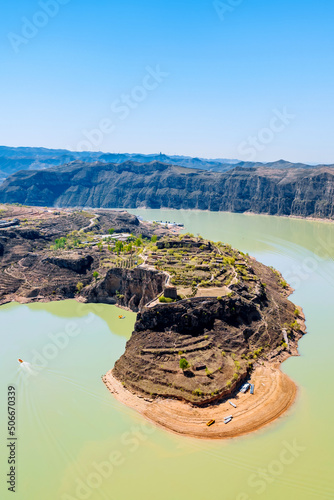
[
  {"x": 295, "y": 326},
  {"x": 80, "y": 286},
  {"x": 197, "y": 392},
  {"x": 95, "y": 275},
  {"x": 184, "y": 365},
  {"x": 154, "y": 238},
  {"x": 258, "y": 351},
  {"x": 165, "y": 299},
  {"x": 111, "y": 231},
  {"x": 60, "y": 243}
]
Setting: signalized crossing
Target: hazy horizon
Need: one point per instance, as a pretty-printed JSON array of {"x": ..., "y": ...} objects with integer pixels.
[{"x": 234, "y": 160}]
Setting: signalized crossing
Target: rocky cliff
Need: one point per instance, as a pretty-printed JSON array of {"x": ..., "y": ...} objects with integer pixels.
[
  {"x": 305, "y": 192},
  {"x": 132, "y": 288}
]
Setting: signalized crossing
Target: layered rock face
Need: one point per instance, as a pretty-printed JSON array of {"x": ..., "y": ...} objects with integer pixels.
[
  {"x": 306, "y": 192},
  {"x": 75, "y": 262},
  {"x": 132, "y": 288}
]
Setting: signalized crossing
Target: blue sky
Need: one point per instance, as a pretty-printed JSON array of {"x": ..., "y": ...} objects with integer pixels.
[{"x": 247, "y": 79}]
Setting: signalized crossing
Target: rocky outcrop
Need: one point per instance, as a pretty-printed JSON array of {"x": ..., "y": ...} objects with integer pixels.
[
  {"x": 4, "y": 224},
  {"x": 75, "y": 262},
  {"x": 220, "y": 338},
  {"x": 29, "y": 234},
  {"x": 131, "y": 288},
  {"x": 305, "y": 192}
]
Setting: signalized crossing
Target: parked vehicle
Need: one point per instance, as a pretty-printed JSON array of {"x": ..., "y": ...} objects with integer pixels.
[{"x": 245, "y": 388}]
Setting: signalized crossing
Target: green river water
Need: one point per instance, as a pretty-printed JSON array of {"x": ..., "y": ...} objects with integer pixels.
[{"x": 75, "y": 441}]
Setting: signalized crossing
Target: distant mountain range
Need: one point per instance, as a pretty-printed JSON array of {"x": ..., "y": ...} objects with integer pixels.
[
  {"x": 279, "y": 188},
  {"x": 13, "y": 160}
]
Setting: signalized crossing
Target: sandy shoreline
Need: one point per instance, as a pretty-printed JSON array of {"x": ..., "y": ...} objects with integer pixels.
[{"x": 274, "y": 393}]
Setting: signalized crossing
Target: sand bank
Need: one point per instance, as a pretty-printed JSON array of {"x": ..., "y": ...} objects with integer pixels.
[{"x": 274, "y": 394}]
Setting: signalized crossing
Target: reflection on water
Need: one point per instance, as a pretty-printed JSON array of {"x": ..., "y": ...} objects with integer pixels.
[{"x": 76, "y": 441}]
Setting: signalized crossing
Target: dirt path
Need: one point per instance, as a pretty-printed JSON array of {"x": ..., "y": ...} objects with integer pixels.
[
  {"x": 274, "y": 393},
  {"x": 91, "y": 223}
]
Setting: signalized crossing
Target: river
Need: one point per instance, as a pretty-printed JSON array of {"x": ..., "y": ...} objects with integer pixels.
[{"x": 75, "y": 441}]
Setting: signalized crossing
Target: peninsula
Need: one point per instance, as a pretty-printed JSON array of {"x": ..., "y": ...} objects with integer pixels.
[{"x": 210, "y": 318}]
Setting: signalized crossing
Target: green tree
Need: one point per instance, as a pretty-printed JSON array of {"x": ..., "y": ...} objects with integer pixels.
[
  {"x": 184, "y": 365},
  {"x": 95, "y": 275},
  {"x": 111, "y": 231},
  {"x": 60, "y": 243},
  {"x": 80, "y": 286},
  {"x": 154, "y": 238},
  {"x": 119, "y": 247}
]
